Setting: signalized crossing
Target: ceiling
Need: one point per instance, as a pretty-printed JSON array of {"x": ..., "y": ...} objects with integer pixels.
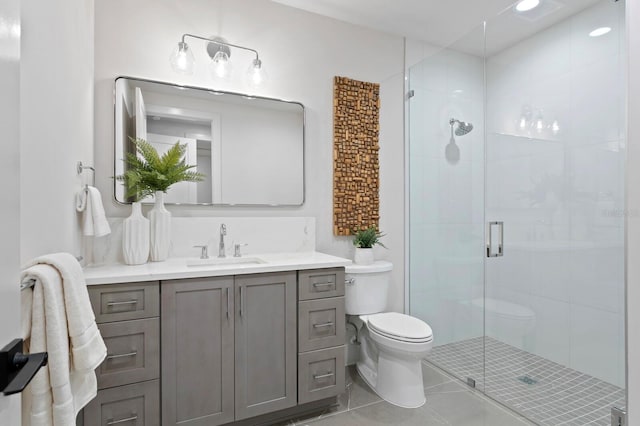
[{"x": 443, "y": 22}]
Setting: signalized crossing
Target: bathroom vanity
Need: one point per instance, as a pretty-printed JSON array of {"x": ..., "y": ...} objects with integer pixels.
[{"x": 241, "y": 343}]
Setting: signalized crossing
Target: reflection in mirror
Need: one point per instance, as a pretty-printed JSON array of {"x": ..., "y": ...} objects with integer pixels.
[{"x": 251, "y": 149}]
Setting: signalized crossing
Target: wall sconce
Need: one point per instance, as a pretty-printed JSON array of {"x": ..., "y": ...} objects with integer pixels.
[{"x": 219, "y": 50}]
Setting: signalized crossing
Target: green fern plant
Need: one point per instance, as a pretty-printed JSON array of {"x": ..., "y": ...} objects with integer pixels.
[
  {"x": 148, "y": 172},
  {"x": 367, "y": 238}
]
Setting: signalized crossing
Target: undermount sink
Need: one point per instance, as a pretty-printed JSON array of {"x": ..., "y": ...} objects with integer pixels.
[{"x": 217, "y": 261}]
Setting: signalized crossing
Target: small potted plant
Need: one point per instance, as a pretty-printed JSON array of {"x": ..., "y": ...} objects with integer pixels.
[
  {"x": 149, "y": 173},
  {"x": 364, "y": 240}
]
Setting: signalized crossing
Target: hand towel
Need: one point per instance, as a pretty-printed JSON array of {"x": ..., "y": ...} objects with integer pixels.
[
  {"x": 62, "y": 324},
  {"x": 94, "y": 219}
]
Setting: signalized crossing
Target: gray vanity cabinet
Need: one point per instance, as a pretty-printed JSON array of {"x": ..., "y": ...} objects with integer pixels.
[
  {"x": 197, "y": 324},
  {"x": 265, "y": 344},
  {"x": 228, "y": 348}
]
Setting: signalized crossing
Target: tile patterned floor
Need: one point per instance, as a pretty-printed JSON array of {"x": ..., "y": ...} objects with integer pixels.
[
  {"x": 449, "y": 402},
  {"x": 559, "y": 396}
]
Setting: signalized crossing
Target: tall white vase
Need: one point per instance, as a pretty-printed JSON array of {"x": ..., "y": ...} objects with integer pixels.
[
  {"x": 135, "y": 237},
  {"x": 160, "y": 219}
]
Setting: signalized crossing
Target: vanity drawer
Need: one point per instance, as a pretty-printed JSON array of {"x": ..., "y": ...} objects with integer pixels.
[
  {"x": 131, "y": 405},
  {"x": 321, "y": 324},
  {"x": 133, "y": 349},
  {"x": 321, "y": 374},
  {"x": 122, "y": 302},
  {"x": 320, "y": 283}
]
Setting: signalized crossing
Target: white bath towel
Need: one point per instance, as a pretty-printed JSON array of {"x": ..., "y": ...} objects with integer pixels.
[
  {"x": 62, "y": 324},
  {"x": 94, "y": 219}
]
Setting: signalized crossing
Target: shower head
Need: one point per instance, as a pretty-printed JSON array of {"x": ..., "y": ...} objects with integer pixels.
[{"x": 463, "y": 127}]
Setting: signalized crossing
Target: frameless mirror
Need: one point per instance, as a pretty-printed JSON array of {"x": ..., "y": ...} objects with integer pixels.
[{"x": 251, "y": 149}]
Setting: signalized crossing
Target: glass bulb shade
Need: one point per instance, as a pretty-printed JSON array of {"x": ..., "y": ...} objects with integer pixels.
[
  {"x": 523, "y": 123},
  {"x": 220, "y": 65},
  {"x": 256, "y": 75},
  {"x": 525, "y": 5},
  {"x": 182, "y": 59}
]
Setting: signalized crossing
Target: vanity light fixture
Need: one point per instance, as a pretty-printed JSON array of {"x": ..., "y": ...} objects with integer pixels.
[
  {"x": 526, "y": 5},
  {"x": 219, "y": 50}
]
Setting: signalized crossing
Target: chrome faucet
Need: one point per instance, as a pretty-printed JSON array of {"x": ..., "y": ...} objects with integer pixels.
[{"x": 223, "y": 232}]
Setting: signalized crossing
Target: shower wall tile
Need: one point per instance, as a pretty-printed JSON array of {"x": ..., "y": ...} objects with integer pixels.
[
  {"x": 597, "y": 343},
  {"x": 597, "y": 275},
  {"x": 597, "y": 109},
  {"x": 551, "y": 338}
]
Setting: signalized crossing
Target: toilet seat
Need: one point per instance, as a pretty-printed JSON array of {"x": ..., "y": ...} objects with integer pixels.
[{"x": 400, "y": 327}]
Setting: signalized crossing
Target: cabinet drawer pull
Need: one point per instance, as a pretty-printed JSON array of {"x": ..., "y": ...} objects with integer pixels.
[
  {"x": 322, "y": 376},
  {"x": 324, "y": 324},
  {"x": 324, "y": 285},
  {"x": 116, "y": 422},
  {"x": 122, "y": 355},
  {"x": 126, "y": 302}
]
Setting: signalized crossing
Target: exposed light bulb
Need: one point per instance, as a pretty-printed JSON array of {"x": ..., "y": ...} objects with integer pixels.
[
  {"x": 599, "y": 31},
  {"x": 182, "y": 59},
  {"x": 539, "y": 125},
  {"x": 555, "y": 127},
  {"x": 220, "y": 65},
  {"x": 256, "y": 75},
  {"x": 523, "y": 123},
  {"x": 526, "y": 5}
]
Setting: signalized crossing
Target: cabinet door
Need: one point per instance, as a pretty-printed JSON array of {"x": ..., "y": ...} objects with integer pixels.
[
  {"x": 265, "y": 328},
  {"x": 197, "y": 352}
]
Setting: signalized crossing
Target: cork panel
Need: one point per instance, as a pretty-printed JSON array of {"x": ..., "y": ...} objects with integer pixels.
[{"x": 356, "y": 129}]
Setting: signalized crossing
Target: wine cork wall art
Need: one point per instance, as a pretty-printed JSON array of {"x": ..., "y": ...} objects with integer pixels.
[{"x": 356, "y": 128}]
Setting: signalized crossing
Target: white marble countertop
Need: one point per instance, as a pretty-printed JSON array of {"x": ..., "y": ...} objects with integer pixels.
[{"x": 176, "y": 268}]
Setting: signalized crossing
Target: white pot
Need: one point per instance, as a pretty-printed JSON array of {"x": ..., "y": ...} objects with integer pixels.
[
  {"x": 160, "y": 219},
  {"x": 135, "y": 237},
  {"x": 363, "y": 256}
]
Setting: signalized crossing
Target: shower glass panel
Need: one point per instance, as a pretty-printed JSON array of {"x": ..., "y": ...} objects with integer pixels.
[
  {"x": 516, "y": 226},
  {"x": 554, "y": 303},
  {"x": 446, "y": 147}
]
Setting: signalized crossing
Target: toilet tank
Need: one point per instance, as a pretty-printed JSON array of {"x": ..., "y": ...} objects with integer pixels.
[{"x": 366, "y": 287}]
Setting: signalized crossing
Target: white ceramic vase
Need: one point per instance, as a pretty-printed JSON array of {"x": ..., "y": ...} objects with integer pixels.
[
  {"x": 160, "y": 219},
  {"x": 363, "y": 256},
  {"x": 135, "y": 237}
]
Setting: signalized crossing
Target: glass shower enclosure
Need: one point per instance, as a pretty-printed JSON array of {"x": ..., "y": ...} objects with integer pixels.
[{"x": 516, "y": 209}]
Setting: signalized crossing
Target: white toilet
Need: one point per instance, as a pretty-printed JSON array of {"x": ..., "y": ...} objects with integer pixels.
[{"x": 392, "y": 345}]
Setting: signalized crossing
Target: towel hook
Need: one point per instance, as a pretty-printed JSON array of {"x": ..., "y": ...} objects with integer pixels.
[{"x": 80, "y": 168}]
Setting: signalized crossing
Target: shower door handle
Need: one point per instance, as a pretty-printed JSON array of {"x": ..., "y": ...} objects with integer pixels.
[{"x": 500, "y": 252}]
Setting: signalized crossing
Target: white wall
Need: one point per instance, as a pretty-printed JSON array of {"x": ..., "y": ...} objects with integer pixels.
[
  {"x": 302, "y": 52},
  {"x": 10, "y": 174},
  {"x": 633, "y": 211},
  {"x": 561, "y": 194},
  {"x": 56, "y": 122}
]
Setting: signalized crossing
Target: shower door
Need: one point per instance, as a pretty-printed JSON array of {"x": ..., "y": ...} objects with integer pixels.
[
  {"x": 554, "y": 156},
  {"x": 516, "y": 225},
  {"x": 446, "y": 184}
]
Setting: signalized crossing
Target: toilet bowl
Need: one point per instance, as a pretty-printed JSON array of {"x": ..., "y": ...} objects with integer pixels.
[{"x": 392, "y": 345}]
